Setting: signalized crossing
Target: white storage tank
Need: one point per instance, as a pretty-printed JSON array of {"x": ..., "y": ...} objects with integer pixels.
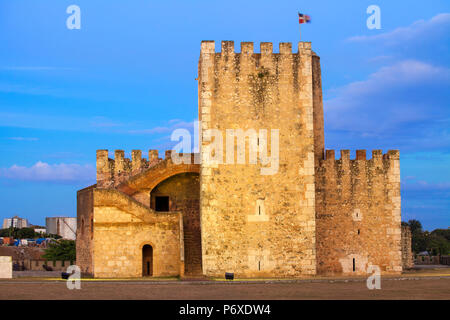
[{"x": 66, "y": 227}]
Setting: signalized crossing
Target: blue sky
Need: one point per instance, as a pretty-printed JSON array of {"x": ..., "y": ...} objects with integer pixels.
[{"x": 126, "y": 79}]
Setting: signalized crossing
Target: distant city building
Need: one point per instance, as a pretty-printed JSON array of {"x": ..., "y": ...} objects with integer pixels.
[
  {"x": 66, "y": 227},
  {"x": 15, "y": 222},
  {"x": 39, "y": 229}
]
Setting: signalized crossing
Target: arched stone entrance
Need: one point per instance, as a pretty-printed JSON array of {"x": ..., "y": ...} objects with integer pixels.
[
  {"x": 181, "y": 192},
  {"x": 147, "y": 260}
]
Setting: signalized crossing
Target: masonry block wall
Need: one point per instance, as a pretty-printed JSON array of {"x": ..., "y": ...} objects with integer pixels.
[
  {"x": 407, "y": 255},
  {"x": 265, "y": 90},
  {"x": 112, "y": 172},
  {"x": 85, "y": 221},
  {"x": 116, "y": 217},
  {"x": 319, "y": 132},
  {"x": 183, "y": 192},
  {"x": 122, "y": 226},
  {"x": 358, "y": 213}
]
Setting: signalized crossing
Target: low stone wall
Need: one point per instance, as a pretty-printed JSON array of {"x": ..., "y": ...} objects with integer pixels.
[
  {"x": 5, "y": 267},
  {"x": 37, "y": 265},
  {"x": 427, "y": 260},
  {"x": 445, "y": 260}
]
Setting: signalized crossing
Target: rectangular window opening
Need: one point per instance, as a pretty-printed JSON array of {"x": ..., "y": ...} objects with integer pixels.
[
  {"x": 162, "y": 204},
  {"x": 354, "y": 267}
]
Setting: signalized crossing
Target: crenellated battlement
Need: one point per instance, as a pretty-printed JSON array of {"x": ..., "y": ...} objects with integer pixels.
[
  {"x": 388, "y": 163},
  {"x": 111, "y": 172},
  {"x": 257, "y": 82},
  {"x": 247, "y": 48},
  {"x": 361, "y": 155},
  {"x": 382, "y": 170}
]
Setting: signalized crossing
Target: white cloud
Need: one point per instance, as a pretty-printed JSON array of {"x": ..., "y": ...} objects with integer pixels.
[
  {"x": 424, "y": 185},
  {"x": 33, "y": 68},
  {"x": 42, "y": 171},
  {"x": 104, "y": 122},
  {"x": 171, "y": 125},
  {"x": 381, "y": 58},
  {"x": 401, "y": 101},
  {"x": 420, "y": 29},
  {"x": 23, "y": 138},
  {"x": 59, "y": 122},
  {"x": 87, "y": 124}
]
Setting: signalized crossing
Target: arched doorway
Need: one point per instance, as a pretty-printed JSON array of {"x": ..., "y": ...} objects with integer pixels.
[
  {"x": 147, "y": 260},
  {"x": 181, "y": 192}
]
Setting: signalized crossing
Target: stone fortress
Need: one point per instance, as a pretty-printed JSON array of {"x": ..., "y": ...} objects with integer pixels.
[{"x": 314, "y": 215}]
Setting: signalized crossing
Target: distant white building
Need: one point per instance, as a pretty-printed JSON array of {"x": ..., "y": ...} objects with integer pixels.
[
  {"x": 15, "y": 222},
  {"x": 66, "y": 227},
  {"x": 39, "y": 229}
]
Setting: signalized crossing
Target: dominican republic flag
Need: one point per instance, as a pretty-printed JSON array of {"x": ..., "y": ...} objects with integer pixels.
[{"x": 303, "y": 18}]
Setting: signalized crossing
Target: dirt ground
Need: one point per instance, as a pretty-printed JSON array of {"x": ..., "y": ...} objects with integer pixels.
[{"x": 412, "y": 288}]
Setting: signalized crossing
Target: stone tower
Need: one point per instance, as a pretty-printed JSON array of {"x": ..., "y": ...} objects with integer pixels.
[
  {"x": 258, "y": 217},
  {"x": 266, "y": 200}
]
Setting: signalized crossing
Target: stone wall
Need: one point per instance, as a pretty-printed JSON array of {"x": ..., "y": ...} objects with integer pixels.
[
  {"x": 407, "y": 256},
  {"x": 122, "y": 226},
  {"x": 37, "y": 265},
  {"x": 358, "y": 213},
  {"x": 421, "y": 260},
  {"x": 183, "y": 191},
  {"x": 116, "y": 219},
  {"x": 85, "y": 225},
  {"x": 112, "y": 172},
  {"x": 319, "y": 132},
  {"x": 254, "y": 224}
]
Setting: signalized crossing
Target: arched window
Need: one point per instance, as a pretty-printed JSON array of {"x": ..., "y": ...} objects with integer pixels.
[{"x": 147, "y": 260}]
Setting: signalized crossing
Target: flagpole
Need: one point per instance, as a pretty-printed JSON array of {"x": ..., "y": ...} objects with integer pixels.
[{"x": 300, "y": 29}]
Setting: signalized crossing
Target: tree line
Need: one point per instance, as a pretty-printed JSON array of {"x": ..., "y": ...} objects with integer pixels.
[
  {"x": 436, "y": 242},
  {"x": 64, "y": 250},
  {"x": 25, "y": 233}
]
